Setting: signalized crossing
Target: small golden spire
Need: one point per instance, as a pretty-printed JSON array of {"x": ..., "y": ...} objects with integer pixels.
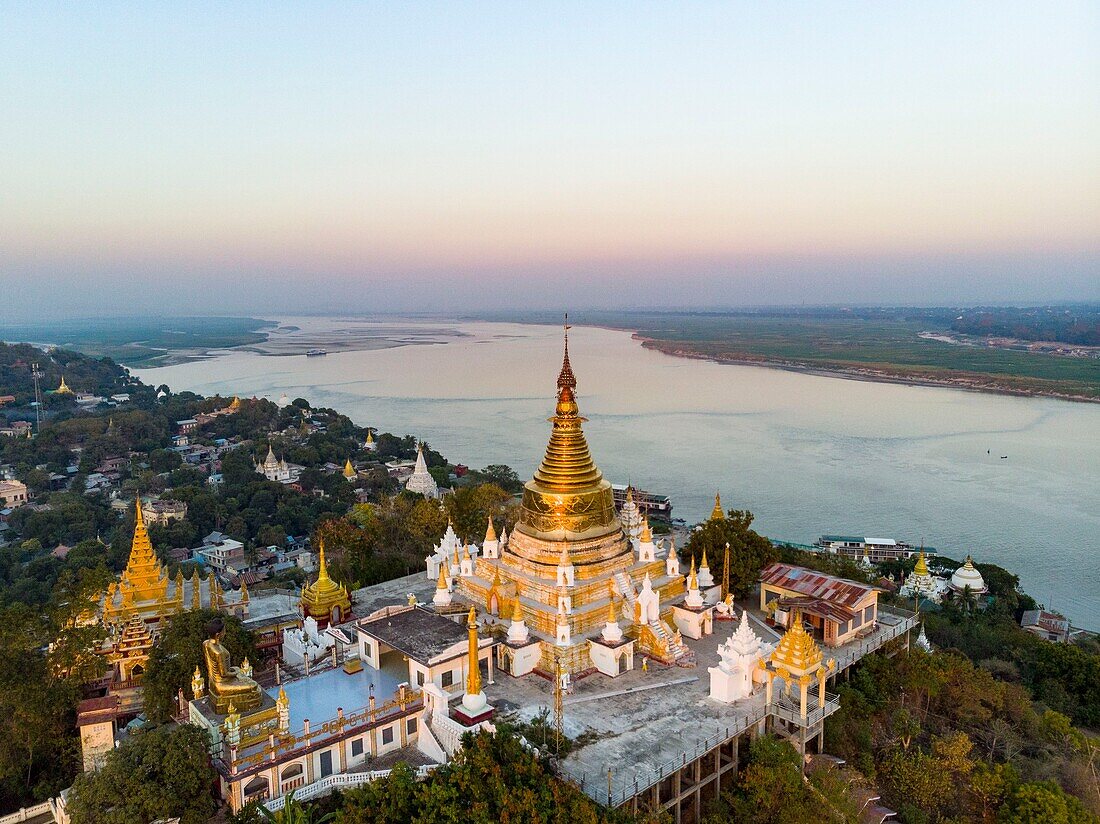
[
  {"x": 717, "y": 514},
  {"x": 703, "y": 563},
  {"x": 473, "y": 676},
  {"x": 349, "y": 470},
  {"x": 517, "y": 607},
  {"x": 244, "y": 591},
  {"x": 490, "y": 532},
  {"x": 441, "y": 583},
  {"x": 922, "y": 567},
  {"x": 646, "y": 536},
  {"x": 612, "y": 618},
  {"x": 672, "y": 549},
  {"x": 465, "y": 552}
]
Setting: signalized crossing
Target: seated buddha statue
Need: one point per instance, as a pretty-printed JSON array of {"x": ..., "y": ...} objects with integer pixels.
[{"x": 225, "y": 683}]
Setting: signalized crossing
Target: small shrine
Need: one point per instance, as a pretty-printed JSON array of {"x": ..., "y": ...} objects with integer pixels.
[{"x": 739, "y": 671}]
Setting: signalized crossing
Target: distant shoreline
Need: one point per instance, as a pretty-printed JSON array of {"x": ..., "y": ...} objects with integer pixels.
[{"x": 965, "y": 381}]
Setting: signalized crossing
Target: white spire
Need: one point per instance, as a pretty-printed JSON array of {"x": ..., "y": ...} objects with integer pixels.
[{"x": 422, "y": 481}]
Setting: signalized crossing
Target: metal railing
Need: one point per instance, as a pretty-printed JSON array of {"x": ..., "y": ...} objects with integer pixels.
[
  {"x": 791, "y": 712},
  {"x": 625, "y": 786},
  {"x": 342, "y": 781}
]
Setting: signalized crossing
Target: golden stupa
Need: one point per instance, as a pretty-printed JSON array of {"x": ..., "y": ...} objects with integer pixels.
[
  {"x": 568, "y": 524},
  {"x": 143, "y": 588},
  {"x": 324, "y": 599}
]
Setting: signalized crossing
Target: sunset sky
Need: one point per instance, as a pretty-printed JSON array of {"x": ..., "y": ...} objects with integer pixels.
[{"x": 323, "y": 156}]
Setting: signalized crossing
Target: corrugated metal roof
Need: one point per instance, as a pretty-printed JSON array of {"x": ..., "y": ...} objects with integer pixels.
[{"x": 816, "y": 584}]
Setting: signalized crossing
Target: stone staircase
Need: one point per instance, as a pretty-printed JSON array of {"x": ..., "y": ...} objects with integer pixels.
[
  {"x": 681, "y": 655},
  {"x": 679, "y": 652}
]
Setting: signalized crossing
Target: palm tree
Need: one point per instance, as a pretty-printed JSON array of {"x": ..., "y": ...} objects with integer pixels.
[{"x": 294, "y": 813}]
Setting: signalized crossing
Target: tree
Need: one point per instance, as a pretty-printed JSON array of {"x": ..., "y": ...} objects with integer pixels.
[
  {"x": 750, "y": 552},
  {"x": 174, "y": 657},
  {"x": 770, "y": 789},
  {"x": 1043, "y": 801},
  {"x": 162, "y": 773},
  {"x": 470, "y": 506}
]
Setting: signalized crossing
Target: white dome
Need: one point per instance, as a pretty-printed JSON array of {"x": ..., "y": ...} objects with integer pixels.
[
  {"x": 967, "y": 576},
  {"x": 283, "y": 402}
]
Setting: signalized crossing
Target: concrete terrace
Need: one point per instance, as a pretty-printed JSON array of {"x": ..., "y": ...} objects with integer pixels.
[{"x": 645, "y": 725}]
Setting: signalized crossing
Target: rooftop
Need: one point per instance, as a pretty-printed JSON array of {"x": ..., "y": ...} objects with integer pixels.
[
  {"x": 418, "y": 633},
  {"x": 816, "y": 584},
  {"x": 318, "y": 696}
]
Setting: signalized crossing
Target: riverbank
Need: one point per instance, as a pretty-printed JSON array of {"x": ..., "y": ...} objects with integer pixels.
[{"x": 971, "y": 382}]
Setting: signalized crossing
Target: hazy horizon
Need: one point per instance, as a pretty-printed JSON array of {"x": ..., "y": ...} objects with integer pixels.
[{"x": 418, "y": 157}]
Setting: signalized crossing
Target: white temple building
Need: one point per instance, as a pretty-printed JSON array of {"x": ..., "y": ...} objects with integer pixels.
[
  {"x": 308, "y": 643},
  {"x": 631, "y": 516},
  {"x": 277, "y": 469},
  {"x": 421, "y": 481},
  {"x": 923, "y": 584},
  {"x": 966, "y": 578},
  {"x": 739, "y": 670}
]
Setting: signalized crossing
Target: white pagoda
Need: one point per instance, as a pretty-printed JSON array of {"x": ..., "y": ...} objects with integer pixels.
[
  {"x": 421, "y": 481},
  {"x": 741, "y": 654}
]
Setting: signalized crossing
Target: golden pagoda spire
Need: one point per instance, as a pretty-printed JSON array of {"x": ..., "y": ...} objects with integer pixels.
[
  {"x": 672, "y": 548},
  {"x": 693, "y": 582},
  {"x": 490, "y": 532},
  {"x": 370, "y": 437},
  {"x": 517, "y": 607},
  {"x": 441, "y": 582},
  {"x": 349, "y": 470},
  {"x": 465, "y": 552},
  {"x": 922, "y": 567},
  {"x": 473, "y": 677},
  {"x": 612, "y": 618},
  {"x": 324, "y": 595},
  {"x": 717, "y": 514},
  {"x": 646, "y": 535},
  {"x": 703, "y": 563},
  {"x": 144, "y": 578},
  {"x": 568, "y": 493},
  {"x": 63, "y": 388},
  {"x": 196, "y": 594},
  {"x": 244, "y": 591}
]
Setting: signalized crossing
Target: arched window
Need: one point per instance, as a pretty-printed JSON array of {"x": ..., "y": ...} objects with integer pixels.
[{"x": 256, "y": 788}]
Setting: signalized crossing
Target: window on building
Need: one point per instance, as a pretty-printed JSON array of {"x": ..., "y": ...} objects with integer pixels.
[
  {"x": 368, "y": 650},
  {"x": 410, "y": 726},
  {"x": 448, "y": 678},
  {"x": 387, "y": 735},
  {"x": 869, "y": 613},
  {"x": 420, "y": 678},
  {"x": 357, "y": 746},
  {"x": 326, "y": 763}
]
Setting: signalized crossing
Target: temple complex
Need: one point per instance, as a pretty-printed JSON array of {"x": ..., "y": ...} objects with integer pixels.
[
  {"x": 569, "y": 561},
  {"x": 277, "y": 469}
]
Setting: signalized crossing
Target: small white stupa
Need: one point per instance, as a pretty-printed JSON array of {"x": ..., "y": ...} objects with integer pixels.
[
  {"x": 517, "y": 629},
  {"x": 732, "y": 679},
  {"x": 630, "y": 516},
  {"x": 647, "y": 550},
  {"x": 612, "y": 632},
  {"x": 672, "y": 562},
  {"x": 421, "y": 481},
  {"x": 706, "y": 580},
  {"x": 442, "y": 595},
  {"x": 491, "y": 546},
  {"x": 694, "y": 596}
]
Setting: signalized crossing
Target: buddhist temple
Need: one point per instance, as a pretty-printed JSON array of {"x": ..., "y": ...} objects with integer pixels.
[
  {"x": 349, "y": 471},
  {"x": 144, "y": 588},
  {"x": 968, "y": 579},
  {"x": 568, "y": 559},
  {"x": 421, "y": 481},
  {"x": 324, "y": 600},
  {"x": 63, "y": 388}
]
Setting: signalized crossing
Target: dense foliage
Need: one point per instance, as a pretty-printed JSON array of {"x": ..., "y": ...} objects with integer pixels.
[
  {"x": 44, "y": 660},
  {"x": 161, "y": 773},
  {"x": 749, "y": 551}
]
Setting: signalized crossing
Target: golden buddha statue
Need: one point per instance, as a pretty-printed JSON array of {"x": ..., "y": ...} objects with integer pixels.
[{"x": 225, "y": 683}]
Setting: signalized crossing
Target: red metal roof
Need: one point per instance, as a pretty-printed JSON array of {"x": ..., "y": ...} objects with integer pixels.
[{"x": 816, "y": 584}]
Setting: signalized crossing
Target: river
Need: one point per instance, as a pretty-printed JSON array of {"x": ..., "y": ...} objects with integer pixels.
[{"x": 807, "y": 454}]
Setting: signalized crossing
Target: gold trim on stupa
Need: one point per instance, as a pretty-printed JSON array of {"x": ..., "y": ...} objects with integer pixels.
[
  {"x": 323, "y": 595},
  {"x": 568, "y": 497},
  {"x": 797, "y": 652}
]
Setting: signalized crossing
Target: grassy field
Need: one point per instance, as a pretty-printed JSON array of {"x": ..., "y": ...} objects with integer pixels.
[
  {"x": 877, "y": 346},
  {"x": 141, "y": 341}
]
